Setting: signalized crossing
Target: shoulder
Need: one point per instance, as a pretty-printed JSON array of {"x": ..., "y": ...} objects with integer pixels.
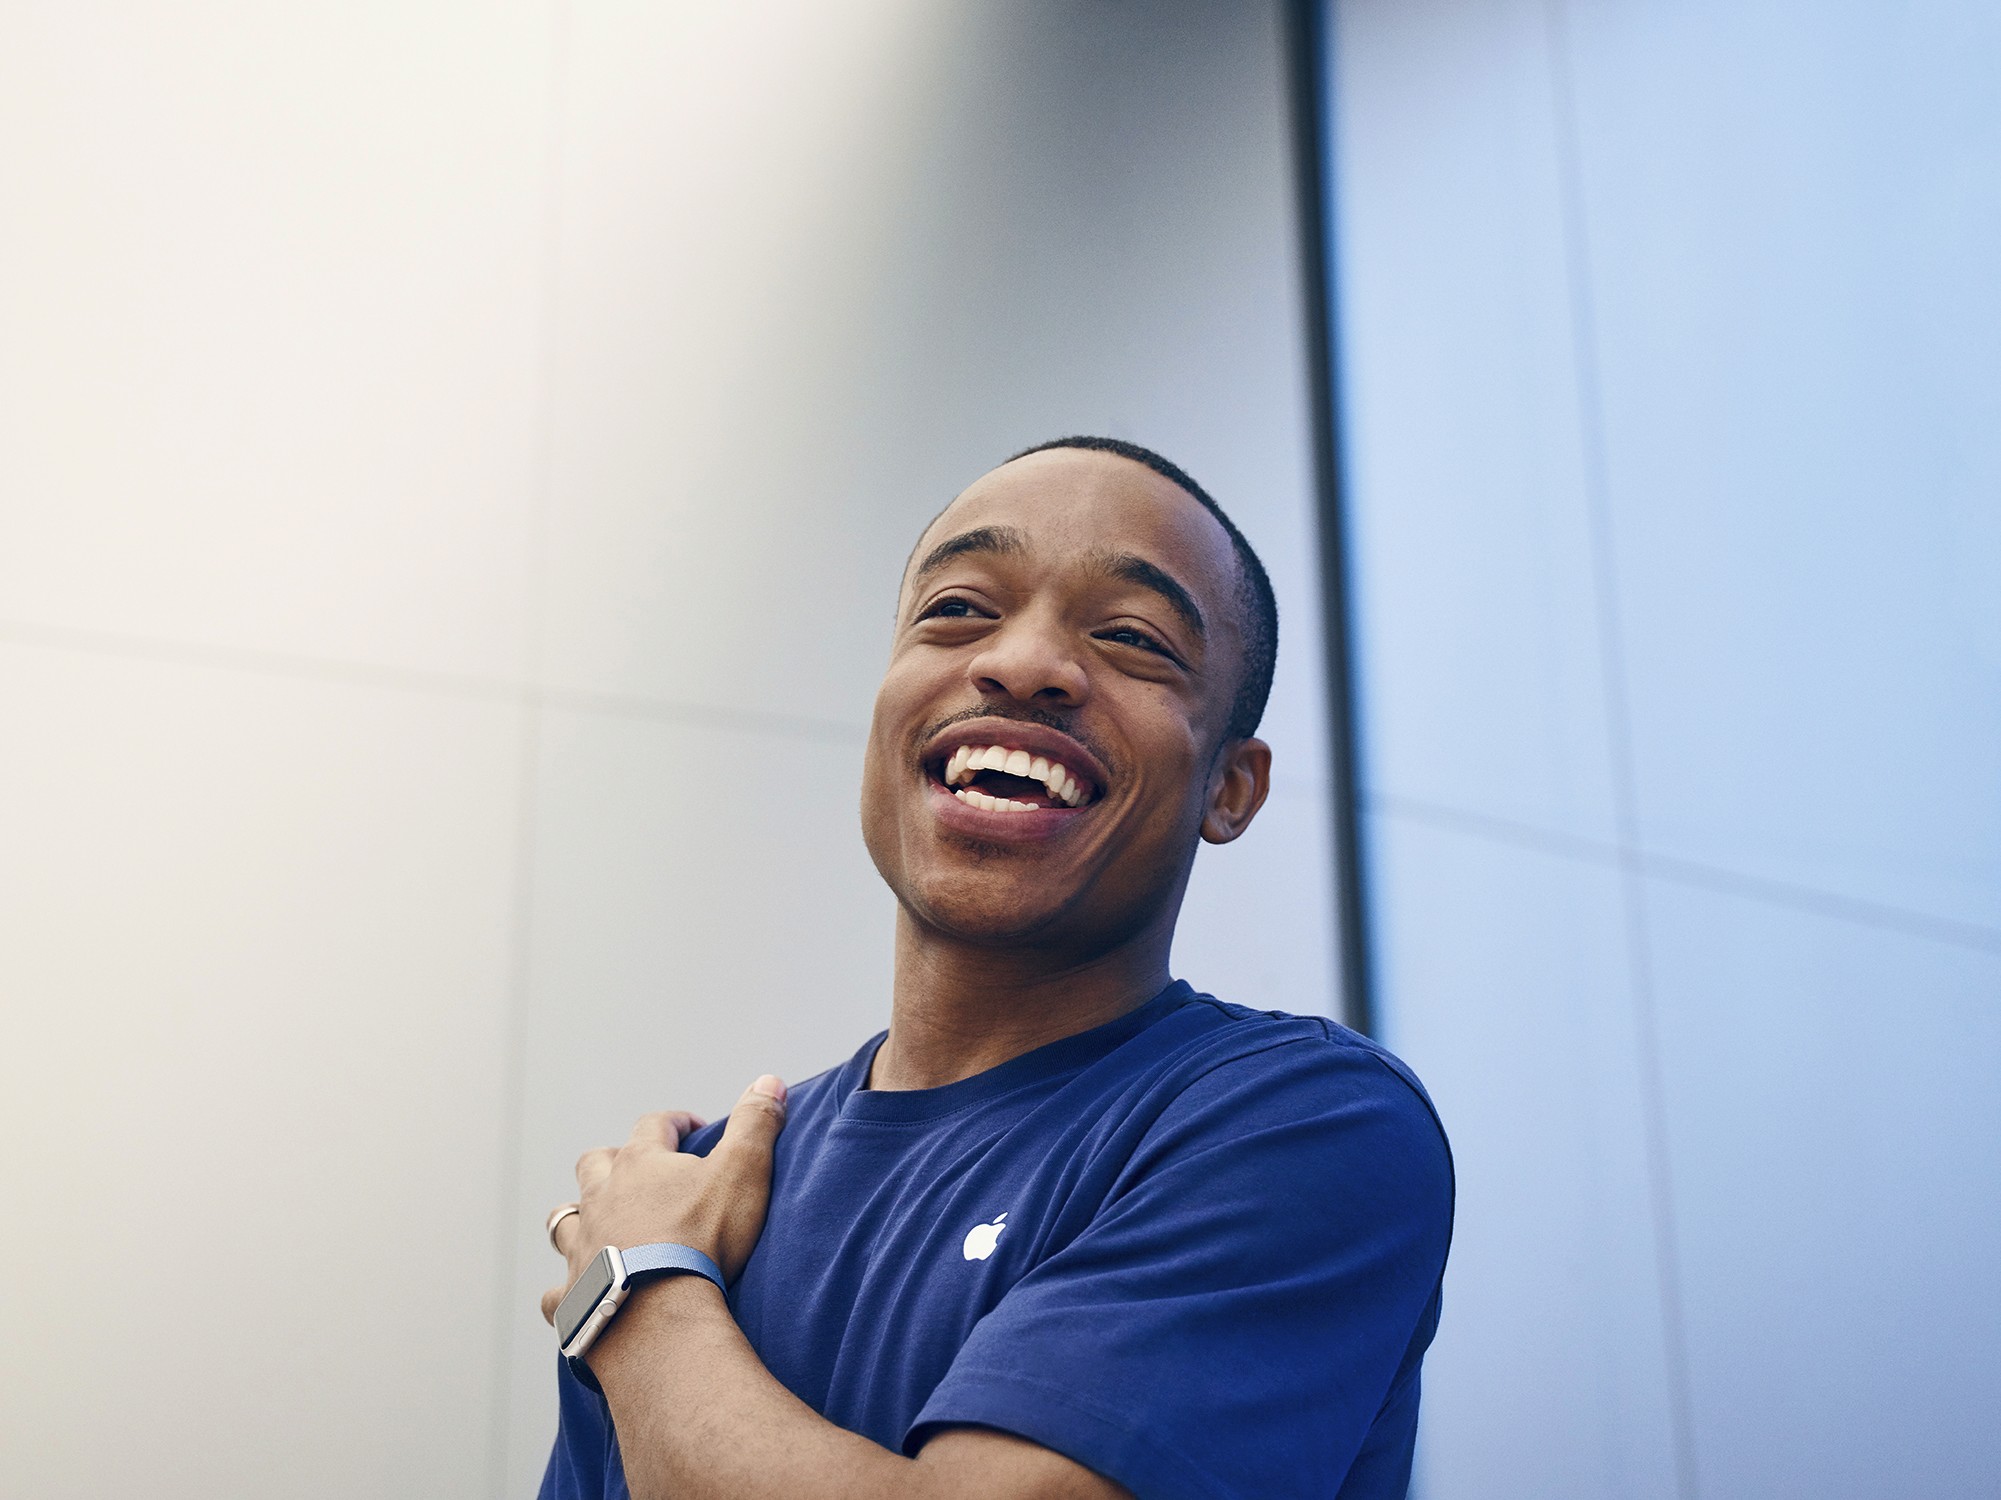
[
  {"x": 1255, "y": 1086},
  {"x": 1332, "y": 1065}
]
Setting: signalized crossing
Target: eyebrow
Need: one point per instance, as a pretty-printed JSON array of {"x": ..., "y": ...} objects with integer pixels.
[
  {"x": 1137, "y": 570},
  {"x": 1128, "y": 567},
  {"x": 1004, "y": 540}
]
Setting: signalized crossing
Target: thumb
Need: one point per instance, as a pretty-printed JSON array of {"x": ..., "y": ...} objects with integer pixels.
[{"x": 754, "y": 1124}]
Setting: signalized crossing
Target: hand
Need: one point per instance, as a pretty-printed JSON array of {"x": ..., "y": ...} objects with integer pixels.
[{"x": 649, "y": 1190}]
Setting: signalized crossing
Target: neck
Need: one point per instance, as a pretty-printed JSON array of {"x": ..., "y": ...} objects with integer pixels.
[{"x": 961, "y": 1008}]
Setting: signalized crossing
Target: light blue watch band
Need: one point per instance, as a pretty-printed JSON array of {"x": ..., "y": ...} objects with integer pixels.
[{"x": 658, "y": 1260}]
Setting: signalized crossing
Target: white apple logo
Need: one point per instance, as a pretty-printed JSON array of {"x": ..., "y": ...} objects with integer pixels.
[{"x": 981, "y": 1239}]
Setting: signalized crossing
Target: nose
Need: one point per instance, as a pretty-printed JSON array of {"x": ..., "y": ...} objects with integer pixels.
[{"x": 1031, "y": 659}]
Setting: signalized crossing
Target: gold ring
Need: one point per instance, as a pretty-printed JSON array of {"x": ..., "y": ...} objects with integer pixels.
[{"x": 556, "y": 1216}]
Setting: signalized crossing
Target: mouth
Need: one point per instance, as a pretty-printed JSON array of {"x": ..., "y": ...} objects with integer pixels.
[{"x": 1016, "y": 771}]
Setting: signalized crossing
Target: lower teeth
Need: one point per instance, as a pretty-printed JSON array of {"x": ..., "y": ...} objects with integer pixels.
[{"x": 993, "y": 804}]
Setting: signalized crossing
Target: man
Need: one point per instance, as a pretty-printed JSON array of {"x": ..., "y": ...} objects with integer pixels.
[{"x": 1067, "y": 1229}]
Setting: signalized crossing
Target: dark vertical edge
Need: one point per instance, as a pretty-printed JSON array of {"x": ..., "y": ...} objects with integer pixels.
[{"x": 1306, "y": 58}]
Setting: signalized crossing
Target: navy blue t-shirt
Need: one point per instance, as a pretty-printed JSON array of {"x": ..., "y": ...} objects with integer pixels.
[{"x": 1196, "y": 1249}]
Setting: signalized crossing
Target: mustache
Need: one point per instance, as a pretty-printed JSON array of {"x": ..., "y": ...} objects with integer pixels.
[{"x": 1021, "y": 715}]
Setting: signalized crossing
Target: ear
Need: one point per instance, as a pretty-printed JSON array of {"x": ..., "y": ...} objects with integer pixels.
[{"x": 1237, "y": 789}]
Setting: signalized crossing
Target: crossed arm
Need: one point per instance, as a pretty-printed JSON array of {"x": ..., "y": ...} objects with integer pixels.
[{"x": 697, "y": 1414}]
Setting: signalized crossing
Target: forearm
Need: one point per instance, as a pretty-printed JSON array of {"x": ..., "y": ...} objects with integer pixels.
[{"x": 699, "y": 1417}]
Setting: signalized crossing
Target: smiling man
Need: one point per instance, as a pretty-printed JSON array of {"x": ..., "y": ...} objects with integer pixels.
[{"x": 1068, "y": 1228}]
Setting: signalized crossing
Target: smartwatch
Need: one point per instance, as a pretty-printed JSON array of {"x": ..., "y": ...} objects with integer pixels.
[{"x": 596, "y": 1295}]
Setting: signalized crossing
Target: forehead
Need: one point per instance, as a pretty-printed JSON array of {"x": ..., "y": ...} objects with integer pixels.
[{"x": 1073, "y": 505}]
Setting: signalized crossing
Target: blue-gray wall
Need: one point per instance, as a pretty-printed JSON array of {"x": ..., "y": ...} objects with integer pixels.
[{"x": 1670, "y": 340}]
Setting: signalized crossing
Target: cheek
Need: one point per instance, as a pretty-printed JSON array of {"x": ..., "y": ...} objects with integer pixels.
[
  {"x": 875, "y": 785},
  {"x": 878, "y": 817},
  {"x": 884, "y": 756},
  {"x": 1186, "y": 765},
  {"x": 1166, "y": 738},
  {"x": 911, "y": 675}
]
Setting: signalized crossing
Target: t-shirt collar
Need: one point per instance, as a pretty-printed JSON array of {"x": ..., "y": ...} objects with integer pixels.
[{"x": 1070, "y": 1054}]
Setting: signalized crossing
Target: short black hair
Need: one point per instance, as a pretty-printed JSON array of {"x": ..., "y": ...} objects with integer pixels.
[{"x": 1255, "y": 599}]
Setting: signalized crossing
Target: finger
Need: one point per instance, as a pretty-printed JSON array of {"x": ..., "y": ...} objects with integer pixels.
[
  {"x": 754, "y": 1125},
  {"x": 594, "y": 1166},
  {"x": 662, "y": 1128},
  {"x": 551, "y": 1299}
]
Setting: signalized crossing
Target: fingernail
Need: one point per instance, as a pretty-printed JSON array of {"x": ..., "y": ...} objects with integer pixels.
[{"x": 770, "y": 1086}]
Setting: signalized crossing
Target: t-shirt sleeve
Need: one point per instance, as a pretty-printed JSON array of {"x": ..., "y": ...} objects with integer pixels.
[
  {"x": 1236, "y": 1316},
  {"x": 581, "y": 1463}
]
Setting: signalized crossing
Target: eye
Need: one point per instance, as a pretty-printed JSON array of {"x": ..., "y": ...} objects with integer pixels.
[
  {"x": 951, "y": 607},
  {"x": 1127, "y": 635}
]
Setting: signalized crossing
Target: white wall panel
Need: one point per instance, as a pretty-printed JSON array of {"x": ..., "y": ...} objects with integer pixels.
[
  {"x": 1477, "y": 638},
  {"x": 270, "y": 279},
  {"x": 254, "y": 933},
  {"x": 1505, "y": 978},
  {"x": 716, "y": 534},
  {"x": 1835, "y": 1131},
  {"x": 1794, "y": 224}
]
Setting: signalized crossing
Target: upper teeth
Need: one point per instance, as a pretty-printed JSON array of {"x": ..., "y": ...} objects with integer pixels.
[{"x": 969, "y": 760}]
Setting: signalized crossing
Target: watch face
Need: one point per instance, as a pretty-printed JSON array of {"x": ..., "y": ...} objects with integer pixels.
[{"x": 579, "y": 1301}]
